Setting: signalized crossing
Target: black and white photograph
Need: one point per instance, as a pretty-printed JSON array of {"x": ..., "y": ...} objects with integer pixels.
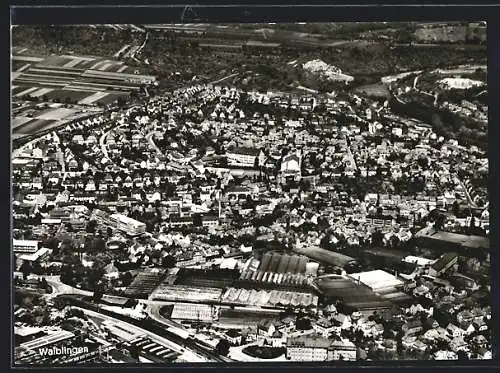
[{"x": 249, "y": 193}]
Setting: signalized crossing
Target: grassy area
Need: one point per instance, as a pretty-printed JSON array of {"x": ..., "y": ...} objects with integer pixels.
[
  {"x": 111, "y": 98},
  {"x": 244, "y": 317},
  {"x": 63, "y": 95},
  {"x": 264, "y": 352},
  {"x": 34, "y": 125},
  {"x": 377, "y": 90}
]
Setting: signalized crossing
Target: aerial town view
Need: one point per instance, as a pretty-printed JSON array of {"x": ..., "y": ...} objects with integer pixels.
[{"x": 196, "y": 193}]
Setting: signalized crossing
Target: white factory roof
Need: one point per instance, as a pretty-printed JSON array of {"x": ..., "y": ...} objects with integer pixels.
[
  {"x": 36, "y": 255},
  {"x": 418, "y": 260},
  {"x": 25, "y": 331},
  {"x": 376, "y": 279},
  {"x": 228, "y": 263}
]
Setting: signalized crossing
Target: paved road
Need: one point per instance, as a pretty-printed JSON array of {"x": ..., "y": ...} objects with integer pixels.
[
  {"x": 63, "y": 161},
  {"x": 138, "y": 50},
  {"x": 103, "y": 145},
  {"x": 222, "y": 79},
  {"x": 154, "y": 312},
  {"x": 59, "y": 288},
  {"x": 470, "y": 202},
  {"x": 149, "y": 137},
  {"x": 197, "y": 351}
]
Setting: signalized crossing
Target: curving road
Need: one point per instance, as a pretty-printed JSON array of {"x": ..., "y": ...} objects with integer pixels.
[
  {"x": 59, "y": 288},
  {"x": 222, "y": 79},
  {"x": 153, "y": 310},
  {"x": 193, "y": 356},
  {"x": 466, "y": 191},
  {"x": 104, "y": 148},
  {"x": 149, "y": 138},
  {"x": 154, "y": 313}
]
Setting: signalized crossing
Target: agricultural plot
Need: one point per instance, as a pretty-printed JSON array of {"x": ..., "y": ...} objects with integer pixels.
[
  {"x": 41, "y": 92},
  {"x": 57, "y": 114},
  {"x": 111, "y": 97},
  {"x": 31, "y": 119},
  {"x": 19, "y": 121},
  {"x": 56, "y": 61},
  {"x": 92, "y": 98},
  {"x": 32, "y": 59},
  {"x": 18, "y": 50},
  {"x": 18, "y": 65},
  {"x": 20, "y": 91},
  {"x": 98, "y": 64},
  {"x": 67, "y": 94},
  {"x": 86, "y": 80},
  {"x": 34, "y": 125},
  {"x": 374, "y": 90}
]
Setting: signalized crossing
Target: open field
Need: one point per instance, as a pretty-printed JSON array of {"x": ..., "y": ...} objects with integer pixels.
[
  {"x": 67, "y": 79},
  {"x": 57, "y": 94},
  {"x": 244, "y": 317},
  {"x": 352, "y": 294},
  {"x": 84, "y": 79},
  {"x": 374, "y": 90},
  {"x": 205, "y": 282},
  {"x": 32, "y": 118},
  {"x": 33, "y": 125}
]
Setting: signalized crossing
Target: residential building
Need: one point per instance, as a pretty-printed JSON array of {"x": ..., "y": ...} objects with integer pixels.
[{"x": 245, "y": 157}]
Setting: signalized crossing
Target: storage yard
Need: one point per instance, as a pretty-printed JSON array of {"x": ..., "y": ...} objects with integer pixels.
[
  {"x": 143, "y": 284},
  {"x": 186, "y": 293}
]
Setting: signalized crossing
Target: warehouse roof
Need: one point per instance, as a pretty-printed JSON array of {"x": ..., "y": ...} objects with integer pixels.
[{"x": 376, "y": 279}]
